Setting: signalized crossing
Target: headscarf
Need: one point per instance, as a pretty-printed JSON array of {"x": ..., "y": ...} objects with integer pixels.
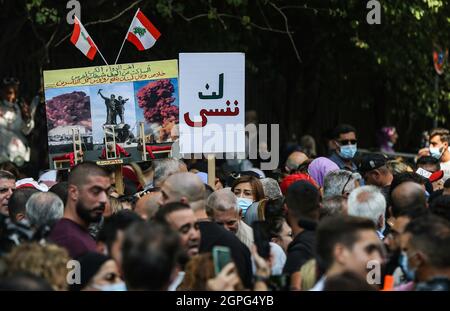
[{"x": 320, "y": 167}]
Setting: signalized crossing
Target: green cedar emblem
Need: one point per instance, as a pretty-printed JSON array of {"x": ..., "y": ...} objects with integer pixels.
[{"x": 139, "y": 31}]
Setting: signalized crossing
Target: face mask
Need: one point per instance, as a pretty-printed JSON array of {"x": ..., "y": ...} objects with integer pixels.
[
  {"x": 403, "y": 262},
  {"x": 244, "y": 204},
  {"x": 435, "y": 153},
  {"x": 117, "y": 287},
  {"x": 348, "y": 151}
]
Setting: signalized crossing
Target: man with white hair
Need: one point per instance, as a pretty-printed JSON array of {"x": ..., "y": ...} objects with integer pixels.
[
  {"x": 223, "y": 209},
  {"x": 44, "y": 209},
  {"x": 340, "y": 182},
  {"x": 368, "y": 202}
]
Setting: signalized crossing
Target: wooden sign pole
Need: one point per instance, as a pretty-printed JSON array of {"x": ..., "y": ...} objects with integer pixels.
[
  {"x": 211, "y": 170},
  {"x": 119, "y": 180}
]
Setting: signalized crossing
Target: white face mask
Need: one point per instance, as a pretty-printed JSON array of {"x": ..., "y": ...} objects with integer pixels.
[
  {"x": 435, "y": 152},
  {"x": 116, "y": 287},
  {"x": 244, "y": 204}
]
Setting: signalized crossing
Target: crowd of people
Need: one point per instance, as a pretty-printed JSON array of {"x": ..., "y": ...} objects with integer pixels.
[{"x": 343, "y": 222}]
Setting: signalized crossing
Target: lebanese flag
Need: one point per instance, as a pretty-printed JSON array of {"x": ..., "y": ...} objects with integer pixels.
[
  {"x": 81, "y": 39},
  {"x": 142, "y": 33}
]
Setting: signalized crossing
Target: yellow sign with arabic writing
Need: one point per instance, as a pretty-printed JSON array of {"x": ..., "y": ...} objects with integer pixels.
[{"x": 85, "y": 76}]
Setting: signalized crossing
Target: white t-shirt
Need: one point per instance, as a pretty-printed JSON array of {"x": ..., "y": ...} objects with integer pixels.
[{"x": 445, "y": 166}]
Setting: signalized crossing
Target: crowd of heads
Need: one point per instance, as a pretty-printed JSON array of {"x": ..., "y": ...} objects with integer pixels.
[{"x": 345, "y": 221}]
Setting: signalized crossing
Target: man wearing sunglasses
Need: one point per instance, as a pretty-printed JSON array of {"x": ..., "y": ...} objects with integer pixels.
[{"x": 344, "y": 139}]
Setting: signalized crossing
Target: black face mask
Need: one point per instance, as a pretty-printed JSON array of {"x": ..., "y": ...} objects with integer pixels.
[{"x": 88, "y": 215}]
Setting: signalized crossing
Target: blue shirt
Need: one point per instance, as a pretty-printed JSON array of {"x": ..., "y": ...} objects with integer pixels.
[{"x": 341, "y": 164}]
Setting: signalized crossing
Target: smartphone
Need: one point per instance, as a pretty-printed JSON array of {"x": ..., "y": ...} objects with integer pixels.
[
  {"x": 221, "y": 257},
  {"x": 261, "y": 236}
]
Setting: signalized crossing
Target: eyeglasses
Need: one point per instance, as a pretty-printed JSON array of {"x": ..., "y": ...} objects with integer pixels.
[{"x": 347, "y": 142}]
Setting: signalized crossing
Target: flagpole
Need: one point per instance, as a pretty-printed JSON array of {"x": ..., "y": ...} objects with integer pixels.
[{"x": 126, "y": 35}]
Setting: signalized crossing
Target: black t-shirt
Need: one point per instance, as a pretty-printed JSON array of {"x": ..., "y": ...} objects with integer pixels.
[
  {"x": 214, "y": 235},
  {"x": 301, "y": 249}
]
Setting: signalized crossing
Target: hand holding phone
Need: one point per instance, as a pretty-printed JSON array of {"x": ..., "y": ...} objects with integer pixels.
[{"x": 221, "y": 257}]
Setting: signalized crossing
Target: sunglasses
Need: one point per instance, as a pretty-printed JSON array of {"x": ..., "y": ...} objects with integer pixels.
[{"x": 347, "y": 142}]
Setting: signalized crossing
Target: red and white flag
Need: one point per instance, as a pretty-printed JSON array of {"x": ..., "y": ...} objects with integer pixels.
[
  {"x": 81, "y": 39},
  {"x": 142, "y": 33}
]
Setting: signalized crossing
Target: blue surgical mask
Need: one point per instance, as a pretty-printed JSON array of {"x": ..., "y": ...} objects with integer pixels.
[
  {"x": 244, "y": 204},
  {"x": 435, "y": 152},
  {"x": 410, "y": 273},
  {"x": 116, "y": 287},
  {"x": 348, "y": 151}
]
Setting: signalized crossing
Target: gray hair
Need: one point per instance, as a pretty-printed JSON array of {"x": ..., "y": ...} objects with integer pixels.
[
  {"x": 367, "y": 202},
  {"x": 166, "y": 167},
  {"x": 335, "y": 182},
  {"x": 271, "y": 188},
  {"x": 44, "y": 208},
  {"x": 334, "y": 205},
  {"x": 221, "y": 200}
]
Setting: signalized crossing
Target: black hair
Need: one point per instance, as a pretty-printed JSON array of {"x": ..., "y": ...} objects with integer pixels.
[
  {"x": 338, "y": 229},
  {"x": 429, "y": 160},
  {"x": 149, "y": 256},
  {"x": 441, "y": 207},
  {"x": 79, "y": 174},
  {"x": 343, "y": 129},
  {"x": 161, "y": 214},
  {"x": 60, "y": 189},
  {"x": 17, "y": 201},
  {"x": 303, "y": 199},
  {"x": 24, "y": 282},
  {"x": 118, "y": 221},
  {"x": 347, "y": 281},
  {"x": 431, "y": 235}
]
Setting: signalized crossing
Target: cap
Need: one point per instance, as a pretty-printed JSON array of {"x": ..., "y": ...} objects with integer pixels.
[{"x": 371, "y": 162}]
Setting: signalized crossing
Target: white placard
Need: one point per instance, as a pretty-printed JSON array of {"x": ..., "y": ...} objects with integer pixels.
[{"x": 212, "y": 102}]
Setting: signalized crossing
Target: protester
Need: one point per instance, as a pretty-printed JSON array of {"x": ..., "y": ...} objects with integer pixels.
[
  {"x": 88, "y": 186},
  {"x": 43, "y": 209},
  {"x": 368, "y": 202},
  {"x": 222, "y": 208},
  {"x": 98, "y": 273},
  {"x": 149, "y": 256},
  {"x": 319, "y": 168},
  {"x": 7, "y": 187},
  {"x": 387, "y": 138},
  {"x": 426, "y": 253},
  {"x": 294, "y": 160},
  {"x": 334, "y": 205},
  {"x": 375, "y": 172},
  {"x": 341, "y": 182},
  {"x": 47, "y": 261},
  {"x": 344, "y": 139},
  {"x": 303, "y": 203},
  {"x": 110, "y": 237},
  {"x": 248, "y": 189},
  {"x": 346, "y": 243},
  {"x": 439, "y": 149},
  {"x": 17, "y": 201}
]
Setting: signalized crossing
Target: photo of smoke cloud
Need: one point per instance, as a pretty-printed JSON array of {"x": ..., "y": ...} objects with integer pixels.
[
  {"x": 158, "y": 107},
  {"x": 68, "y": 109}
]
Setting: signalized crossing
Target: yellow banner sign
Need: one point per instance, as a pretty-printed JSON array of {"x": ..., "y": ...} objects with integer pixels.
[{"x": 111, "y": 74}]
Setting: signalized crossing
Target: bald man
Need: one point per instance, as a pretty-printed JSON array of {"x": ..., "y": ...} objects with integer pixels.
[
  {"x": 293, "y": 161},
  {"x": 148, "y": 205},
  {"x": 186, "y": 188}
]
